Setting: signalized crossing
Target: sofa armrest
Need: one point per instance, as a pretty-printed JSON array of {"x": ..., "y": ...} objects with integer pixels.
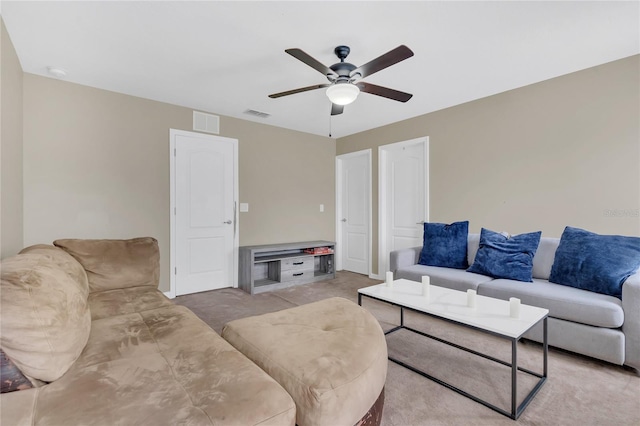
[
  {"x": 403, "y": 258},
  {"x": 631, "y": 326}
]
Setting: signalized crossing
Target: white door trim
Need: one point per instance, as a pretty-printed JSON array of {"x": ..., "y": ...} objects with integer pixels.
[
  {"x": 383, "y": 243},
  {"x": 172, "y": 206},
  {"x": 338, "y": 256}
]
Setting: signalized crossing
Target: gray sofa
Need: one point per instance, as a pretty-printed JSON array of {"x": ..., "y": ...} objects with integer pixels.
[{"x": 593, "y": 324}]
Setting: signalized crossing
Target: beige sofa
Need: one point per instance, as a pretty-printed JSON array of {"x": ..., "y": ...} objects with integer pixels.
[{"x": 85, "y": 322}]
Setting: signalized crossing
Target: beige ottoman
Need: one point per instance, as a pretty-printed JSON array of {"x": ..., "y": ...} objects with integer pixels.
[{"x": 331, "y": 356}]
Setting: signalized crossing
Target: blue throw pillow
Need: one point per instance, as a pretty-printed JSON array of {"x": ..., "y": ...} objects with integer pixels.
[
  {"x": 445, "y": 245},
  {"x": 599, "y": 263},
  {"x": 503, "y": 256}
]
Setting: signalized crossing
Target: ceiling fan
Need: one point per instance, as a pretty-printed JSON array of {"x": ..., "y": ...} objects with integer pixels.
[{"x": 344, "y": 78}]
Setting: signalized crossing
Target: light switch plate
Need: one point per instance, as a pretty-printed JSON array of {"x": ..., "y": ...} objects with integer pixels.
[
  {"x": 244, "y": 207},
  {"x": 321, "y": 208}
]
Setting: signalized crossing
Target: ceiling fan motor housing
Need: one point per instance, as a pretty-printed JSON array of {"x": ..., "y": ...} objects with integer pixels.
[{"x": 342, "y": 68}]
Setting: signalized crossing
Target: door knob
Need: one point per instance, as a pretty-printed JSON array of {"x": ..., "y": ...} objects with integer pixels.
[
  {"x": 343, "y": 220},
  {"x": 228, "y": 222}
]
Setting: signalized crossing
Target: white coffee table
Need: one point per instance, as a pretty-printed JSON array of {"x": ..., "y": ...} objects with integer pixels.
[{"x": 489, "y": 316}]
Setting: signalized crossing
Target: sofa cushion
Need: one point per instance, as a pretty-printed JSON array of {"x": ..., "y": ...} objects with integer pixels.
[
  {"x": 162, "y": 366},
  {"x": 599, "y": 263},
  {"x": 563, "y": 302},
  {"x": 116, "y": 338},
  {"x": 104, "y": 304},
  {"x": 45, "y": 315},
  {"x": 63, "y": 260},
  {"x": 445, "y": 245},
  {"x": 139, "y": 391},
  {"x": 222, "y": 381},
  {"x": 505, "y": 256},
  {"x": 456, "y": 279},
  {"x": 18, "y": 407},
  {"x": 116, "y": 263}
]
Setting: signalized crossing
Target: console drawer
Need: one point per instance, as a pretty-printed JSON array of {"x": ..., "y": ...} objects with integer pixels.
[
  {"x": 296, "y": 274},
  {"x": 304, "y": 262}
]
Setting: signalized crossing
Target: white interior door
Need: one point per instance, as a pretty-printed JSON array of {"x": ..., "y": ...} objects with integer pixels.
[
  {"x": 354, "y": 211},
  {"x": 403, "y": 196},
  {"x": 205, "y": 218}
]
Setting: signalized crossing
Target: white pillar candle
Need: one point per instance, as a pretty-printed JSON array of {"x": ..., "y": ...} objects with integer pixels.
[
  {"x": 389, "y": 279},
  {"x": 514, "y": 307},
  {"x": 426, "y": 285},
  {"x": 471, "y": 298}
]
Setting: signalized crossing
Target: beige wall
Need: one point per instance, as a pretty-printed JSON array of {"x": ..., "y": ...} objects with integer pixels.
[
  {"x": 565, "y": 151},
  {"x": 284, "y": 176},
  {"x": 560, "y": 152},
  {"x": 10, "y": 147},
  {"x": 96, "y": 165}
]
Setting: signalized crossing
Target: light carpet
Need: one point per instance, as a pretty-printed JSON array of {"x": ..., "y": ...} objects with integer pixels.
[{"x": 578, "y": 391}]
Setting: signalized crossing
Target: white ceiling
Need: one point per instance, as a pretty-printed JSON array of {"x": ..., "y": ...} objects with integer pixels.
[{"x": 227, "y": 57}]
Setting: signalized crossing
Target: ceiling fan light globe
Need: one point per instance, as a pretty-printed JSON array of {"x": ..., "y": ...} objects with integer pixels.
[{"x": 342, "y": 94}]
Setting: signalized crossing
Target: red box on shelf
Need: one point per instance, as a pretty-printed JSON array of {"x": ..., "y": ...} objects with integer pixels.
[{"x": 319, "y": 250}]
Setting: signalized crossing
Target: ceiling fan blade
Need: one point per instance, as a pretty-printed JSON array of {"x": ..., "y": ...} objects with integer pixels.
[
  {"x": 313, "y": 63},
  {"x": 302, "y": 89},
  {"x": 385, "y": 92},
  {"x": 394, "y": 56},
  {"x": 337, "y": 109}
]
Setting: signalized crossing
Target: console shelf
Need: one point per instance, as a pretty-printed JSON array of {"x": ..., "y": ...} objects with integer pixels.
[{"x": 275, "y": 266}]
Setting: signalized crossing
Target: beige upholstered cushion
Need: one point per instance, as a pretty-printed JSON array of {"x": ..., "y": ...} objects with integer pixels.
[
  {"x": 63, "y": 260},
  {"x": 18, "y": 407},
  {"x": 112, "y": 264},
  {"x": 45, "y": 315},
  {"x": 161, "y": 367},
  {"x": 331, "y": 356},
  {"x": 121, "y": 301}
]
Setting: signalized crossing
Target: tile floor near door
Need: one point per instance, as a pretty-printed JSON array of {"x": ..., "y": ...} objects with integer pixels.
[{"x": 579, "y": 391}]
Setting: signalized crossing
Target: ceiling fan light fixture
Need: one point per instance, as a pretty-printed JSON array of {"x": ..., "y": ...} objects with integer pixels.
[{"x": 342, "y": 93}]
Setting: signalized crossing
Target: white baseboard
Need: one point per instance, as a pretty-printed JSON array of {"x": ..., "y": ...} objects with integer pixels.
[{"x": 170, "y": 294}]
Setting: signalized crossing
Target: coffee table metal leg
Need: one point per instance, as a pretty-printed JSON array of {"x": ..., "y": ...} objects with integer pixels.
[
  {"x": 542, "y": 377},
  {"x": 514, "y": 377},
  {"x": 545, "y": 346}
]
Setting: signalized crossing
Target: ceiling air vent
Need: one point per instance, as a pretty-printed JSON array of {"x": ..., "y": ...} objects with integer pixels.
[
  {"x": 207, "y": 123},
  {"x": 257, "y": 113}
]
